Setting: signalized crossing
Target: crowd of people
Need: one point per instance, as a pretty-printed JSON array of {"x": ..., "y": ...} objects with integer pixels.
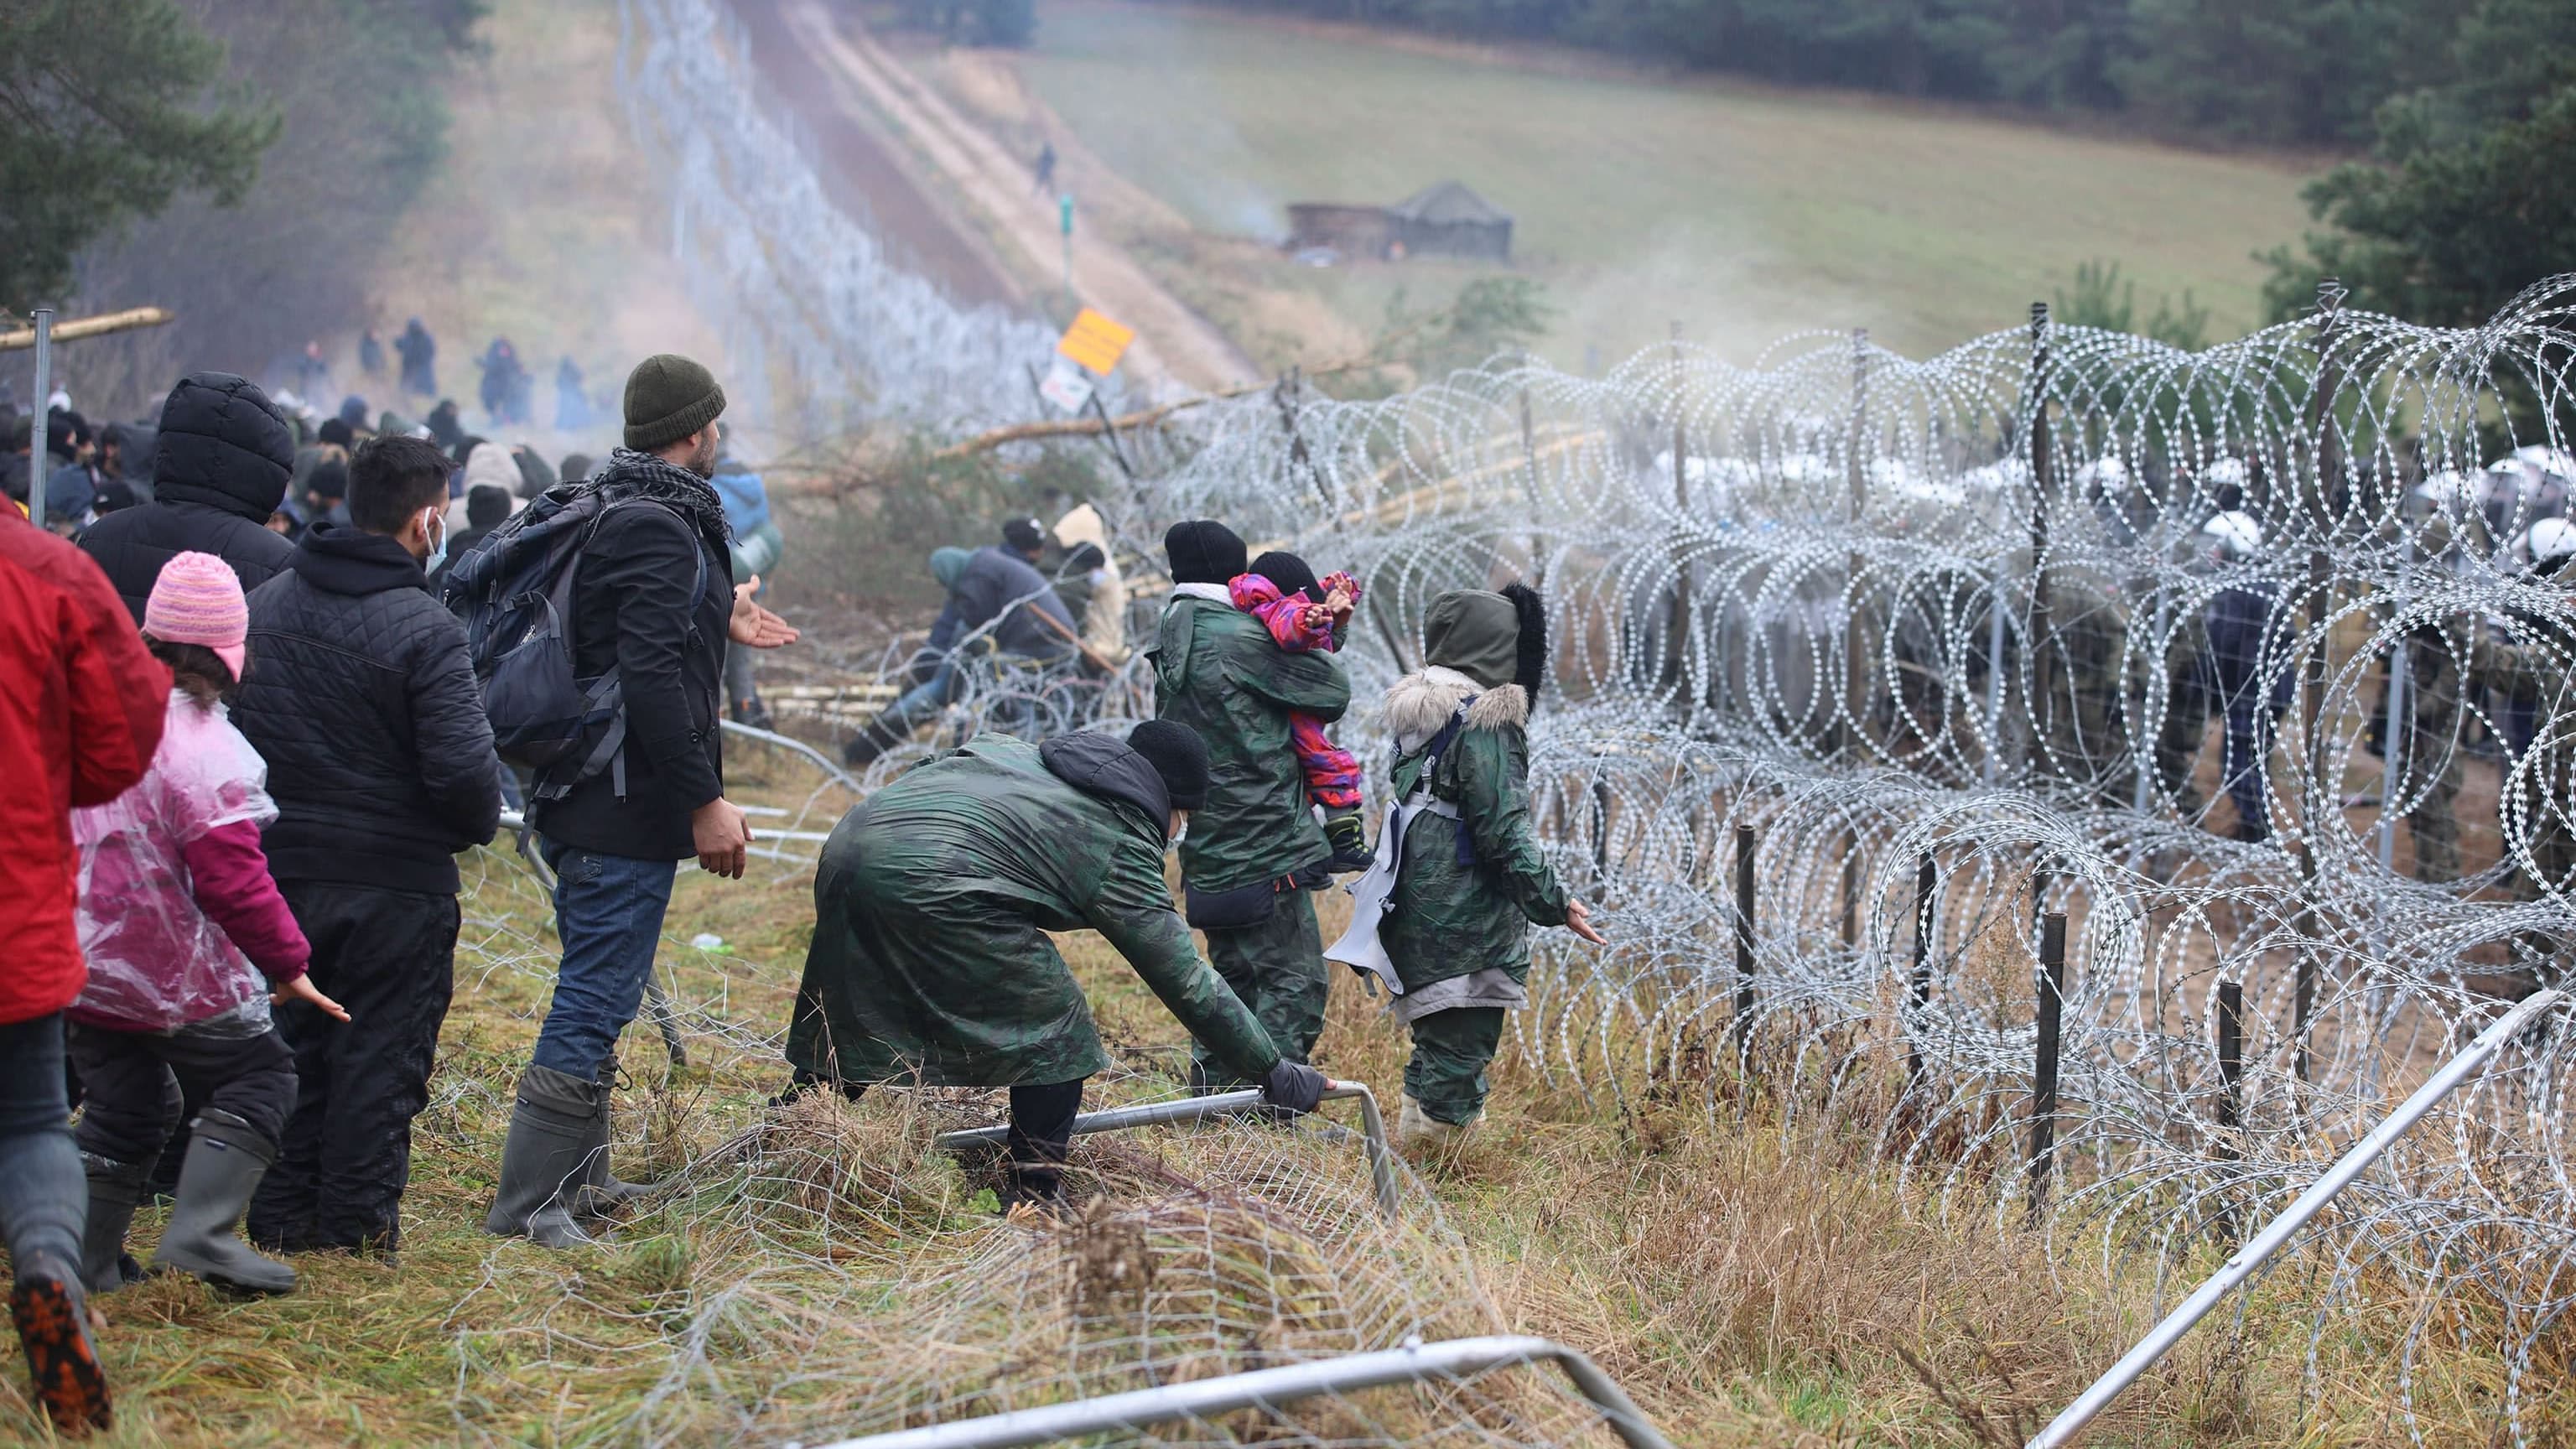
[{"x": 264, "y": 708}]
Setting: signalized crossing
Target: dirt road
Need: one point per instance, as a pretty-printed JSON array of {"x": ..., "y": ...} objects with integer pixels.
[
  {"x": 1174, "y": 346},
  {"x": 861, "y": 175}
]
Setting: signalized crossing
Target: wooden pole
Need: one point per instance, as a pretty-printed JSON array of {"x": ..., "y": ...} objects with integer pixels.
[{"x": 2043, "y": 1091}]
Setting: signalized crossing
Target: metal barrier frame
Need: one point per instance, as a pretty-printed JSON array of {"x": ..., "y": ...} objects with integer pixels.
[
  {"x": 2276, "y": 1234},
  {"x": 1193, "y": 1109},
  {"x": 1413, "y": 1363}
]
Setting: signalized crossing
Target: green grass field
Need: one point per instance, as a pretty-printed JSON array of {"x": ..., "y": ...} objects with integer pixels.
[{"x": 1740, "y": 212}]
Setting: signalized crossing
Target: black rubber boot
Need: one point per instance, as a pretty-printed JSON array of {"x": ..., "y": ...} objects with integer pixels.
[
  {"x": 541, "y": 1162},
  {"x": 114, "y": 1189},
  {"x": 867, "y": 744},
  {"x": 600, "y": 1191},
  {"x": 1348, "y": 836},
  {"x": 226, "y": 1160},
  {"x": 52, "y": 1317}
]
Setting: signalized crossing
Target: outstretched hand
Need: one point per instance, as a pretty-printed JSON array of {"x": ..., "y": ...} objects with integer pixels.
[
  {"x": 753, "y": 625},
  {"x": 302, "y": 989},
  {"x": 1578, "y": 919}
]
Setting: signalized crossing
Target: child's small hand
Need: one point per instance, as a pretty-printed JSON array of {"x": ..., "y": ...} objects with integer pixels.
[{"x": 302, "y": 989}]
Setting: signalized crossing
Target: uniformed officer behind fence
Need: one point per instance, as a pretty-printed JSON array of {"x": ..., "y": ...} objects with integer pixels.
[
  {"x": 931, "y": 964},
  {"x": 2227, "y": 674}
]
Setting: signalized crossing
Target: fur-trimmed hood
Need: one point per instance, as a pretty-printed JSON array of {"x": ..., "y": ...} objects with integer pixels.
[{"x": 1419, "y": 706}]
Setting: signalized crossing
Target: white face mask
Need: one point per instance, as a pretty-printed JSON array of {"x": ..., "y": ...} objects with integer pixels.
[{"x": 433, "y": 525}]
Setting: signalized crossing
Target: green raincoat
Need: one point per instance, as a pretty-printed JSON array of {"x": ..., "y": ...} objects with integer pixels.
[
  {"x": 1217, "y": 670},
  {"x": 1449, "y": 921},
  {"x": 930, "y": 961}
]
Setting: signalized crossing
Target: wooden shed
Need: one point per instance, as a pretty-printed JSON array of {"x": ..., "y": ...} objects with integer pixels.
[
  {"x": 1445, "y": 220},
  {"x": 1448, "y": 220},
  {"x": 1354, "y": 231}
]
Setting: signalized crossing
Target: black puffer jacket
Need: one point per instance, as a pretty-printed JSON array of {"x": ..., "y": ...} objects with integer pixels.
[
  {"x": 632, "y": 608},
  {"x": 219, "y": 469},
  {"x": 362, "y": 700}
]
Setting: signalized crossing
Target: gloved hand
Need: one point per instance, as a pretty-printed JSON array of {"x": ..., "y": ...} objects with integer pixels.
[{"x": 1295, "y": 1086}]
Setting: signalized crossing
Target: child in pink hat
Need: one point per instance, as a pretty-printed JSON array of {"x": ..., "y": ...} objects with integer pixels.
[{"x": 181, "y": 923}]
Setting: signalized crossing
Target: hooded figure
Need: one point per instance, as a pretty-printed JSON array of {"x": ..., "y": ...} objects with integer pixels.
[
  {"x": 997, "y": 604},
  {"x": 488, "y": 466},
  {"x": 1091, "y": 573},
  {"x": 931, "y": 965},
  {"x": 219, "y": 469},
  {"x": 1468, "y": 876},
  {"x": 419, "y": 353},
  {"x": 1255, "y": 854}
]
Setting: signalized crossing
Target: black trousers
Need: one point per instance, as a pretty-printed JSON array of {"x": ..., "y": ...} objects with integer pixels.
[
  {"x": 130, "y": 1081},
  {"x": 1042, "y": 1136},
  {"x": 389, "y": 957}
]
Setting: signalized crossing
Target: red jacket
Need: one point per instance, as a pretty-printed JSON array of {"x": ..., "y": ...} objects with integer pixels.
[{"x": 81, "y": 703}]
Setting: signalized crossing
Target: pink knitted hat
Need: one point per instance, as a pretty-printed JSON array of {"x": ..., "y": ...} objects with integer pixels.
[{"x": 198, "y": 600}]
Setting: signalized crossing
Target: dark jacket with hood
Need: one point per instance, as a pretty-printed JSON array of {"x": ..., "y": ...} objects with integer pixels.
[
  {"x": 631, "y": 607},
  {"x": 932, "y": 902},
  {"x": 1473, "y": 878},
  {"x": 992, "y": 581},
  {"x": 362, "y": 700},
  {"x": 1217, "y": 670},
  {"x": 219, "y": 469}
]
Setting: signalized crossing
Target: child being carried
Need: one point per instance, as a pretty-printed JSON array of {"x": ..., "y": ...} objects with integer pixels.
[{"x": 1303, "y": 613}]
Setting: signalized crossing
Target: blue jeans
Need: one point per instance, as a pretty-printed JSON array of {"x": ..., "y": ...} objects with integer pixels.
[
  {"x": 608, "y": 914},
  {"x": 936, "y": 692},
  {"x": 44, "y": 1198}
]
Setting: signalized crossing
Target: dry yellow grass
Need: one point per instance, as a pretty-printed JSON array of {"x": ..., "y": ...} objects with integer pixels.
[{"x": 1750, "y": 1284}]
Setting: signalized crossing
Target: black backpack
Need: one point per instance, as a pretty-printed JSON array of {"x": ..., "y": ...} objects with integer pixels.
[{"x": 514, "y": 593}]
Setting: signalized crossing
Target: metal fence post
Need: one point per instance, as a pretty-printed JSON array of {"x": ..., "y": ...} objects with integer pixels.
[
  {"x": 42, "y": 416},
  {"x": 1743, "y": 1025},
  {"x": 2038, "y": 642},
  {"x": 2231, "y": 1061},
  {"x": 1925, "y": 924},
  {"x": 2043, "y": 1091},
  {"x": 2322, "y": 803}
]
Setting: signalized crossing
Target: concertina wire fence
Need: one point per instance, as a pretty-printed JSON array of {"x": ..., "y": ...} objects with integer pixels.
[
  {"x": 1947, "y": 617},
  {"x": 1955, "y": 616}
]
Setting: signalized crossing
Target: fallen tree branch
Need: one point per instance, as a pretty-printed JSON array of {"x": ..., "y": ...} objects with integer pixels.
[{"x": 98, "y": 326}]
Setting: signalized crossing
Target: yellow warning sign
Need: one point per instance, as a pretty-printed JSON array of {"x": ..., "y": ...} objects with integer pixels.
[{"x": 1095, "y": 342}]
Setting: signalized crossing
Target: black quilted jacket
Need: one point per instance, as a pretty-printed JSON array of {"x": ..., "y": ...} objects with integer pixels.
[
  {"x": 632, "y": 608},
  {"x": 218, "y": 472},
  {"x": 361, "y": 699}
]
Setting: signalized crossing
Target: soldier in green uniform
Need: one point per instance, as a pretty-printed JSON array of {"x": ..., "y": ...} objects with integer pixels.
[
  {"x": 1255, "y": 854},
  {"x": 931, "y": 965},
  {"x": 1468, "y": 878}
]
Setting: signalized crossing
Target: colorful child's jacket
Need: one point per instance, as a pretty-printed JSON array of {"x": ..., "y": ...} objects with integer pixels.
[
  {"x": 178, "y": 915},
  {"x": 1300, "y": 625}
]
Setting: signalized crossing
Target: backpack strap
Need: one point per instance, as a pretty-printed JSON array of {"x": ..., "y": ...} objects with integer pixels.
[
  {"x": 1433, "y": 804},
  {"x": 608, "y": 691}
]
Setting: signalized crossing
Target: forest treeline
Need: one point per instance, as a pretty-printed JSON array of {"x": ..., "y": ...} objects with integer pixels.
[{"x": 2303, "y": 73}]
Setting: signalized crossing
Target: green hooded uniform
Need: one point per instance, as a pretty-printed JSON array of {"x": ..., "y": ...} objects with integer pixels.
[
  {"x": 1217, "y": 670},
  {"x": 930, "y": 961},
  {"x": 1469, "y": 886}
]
